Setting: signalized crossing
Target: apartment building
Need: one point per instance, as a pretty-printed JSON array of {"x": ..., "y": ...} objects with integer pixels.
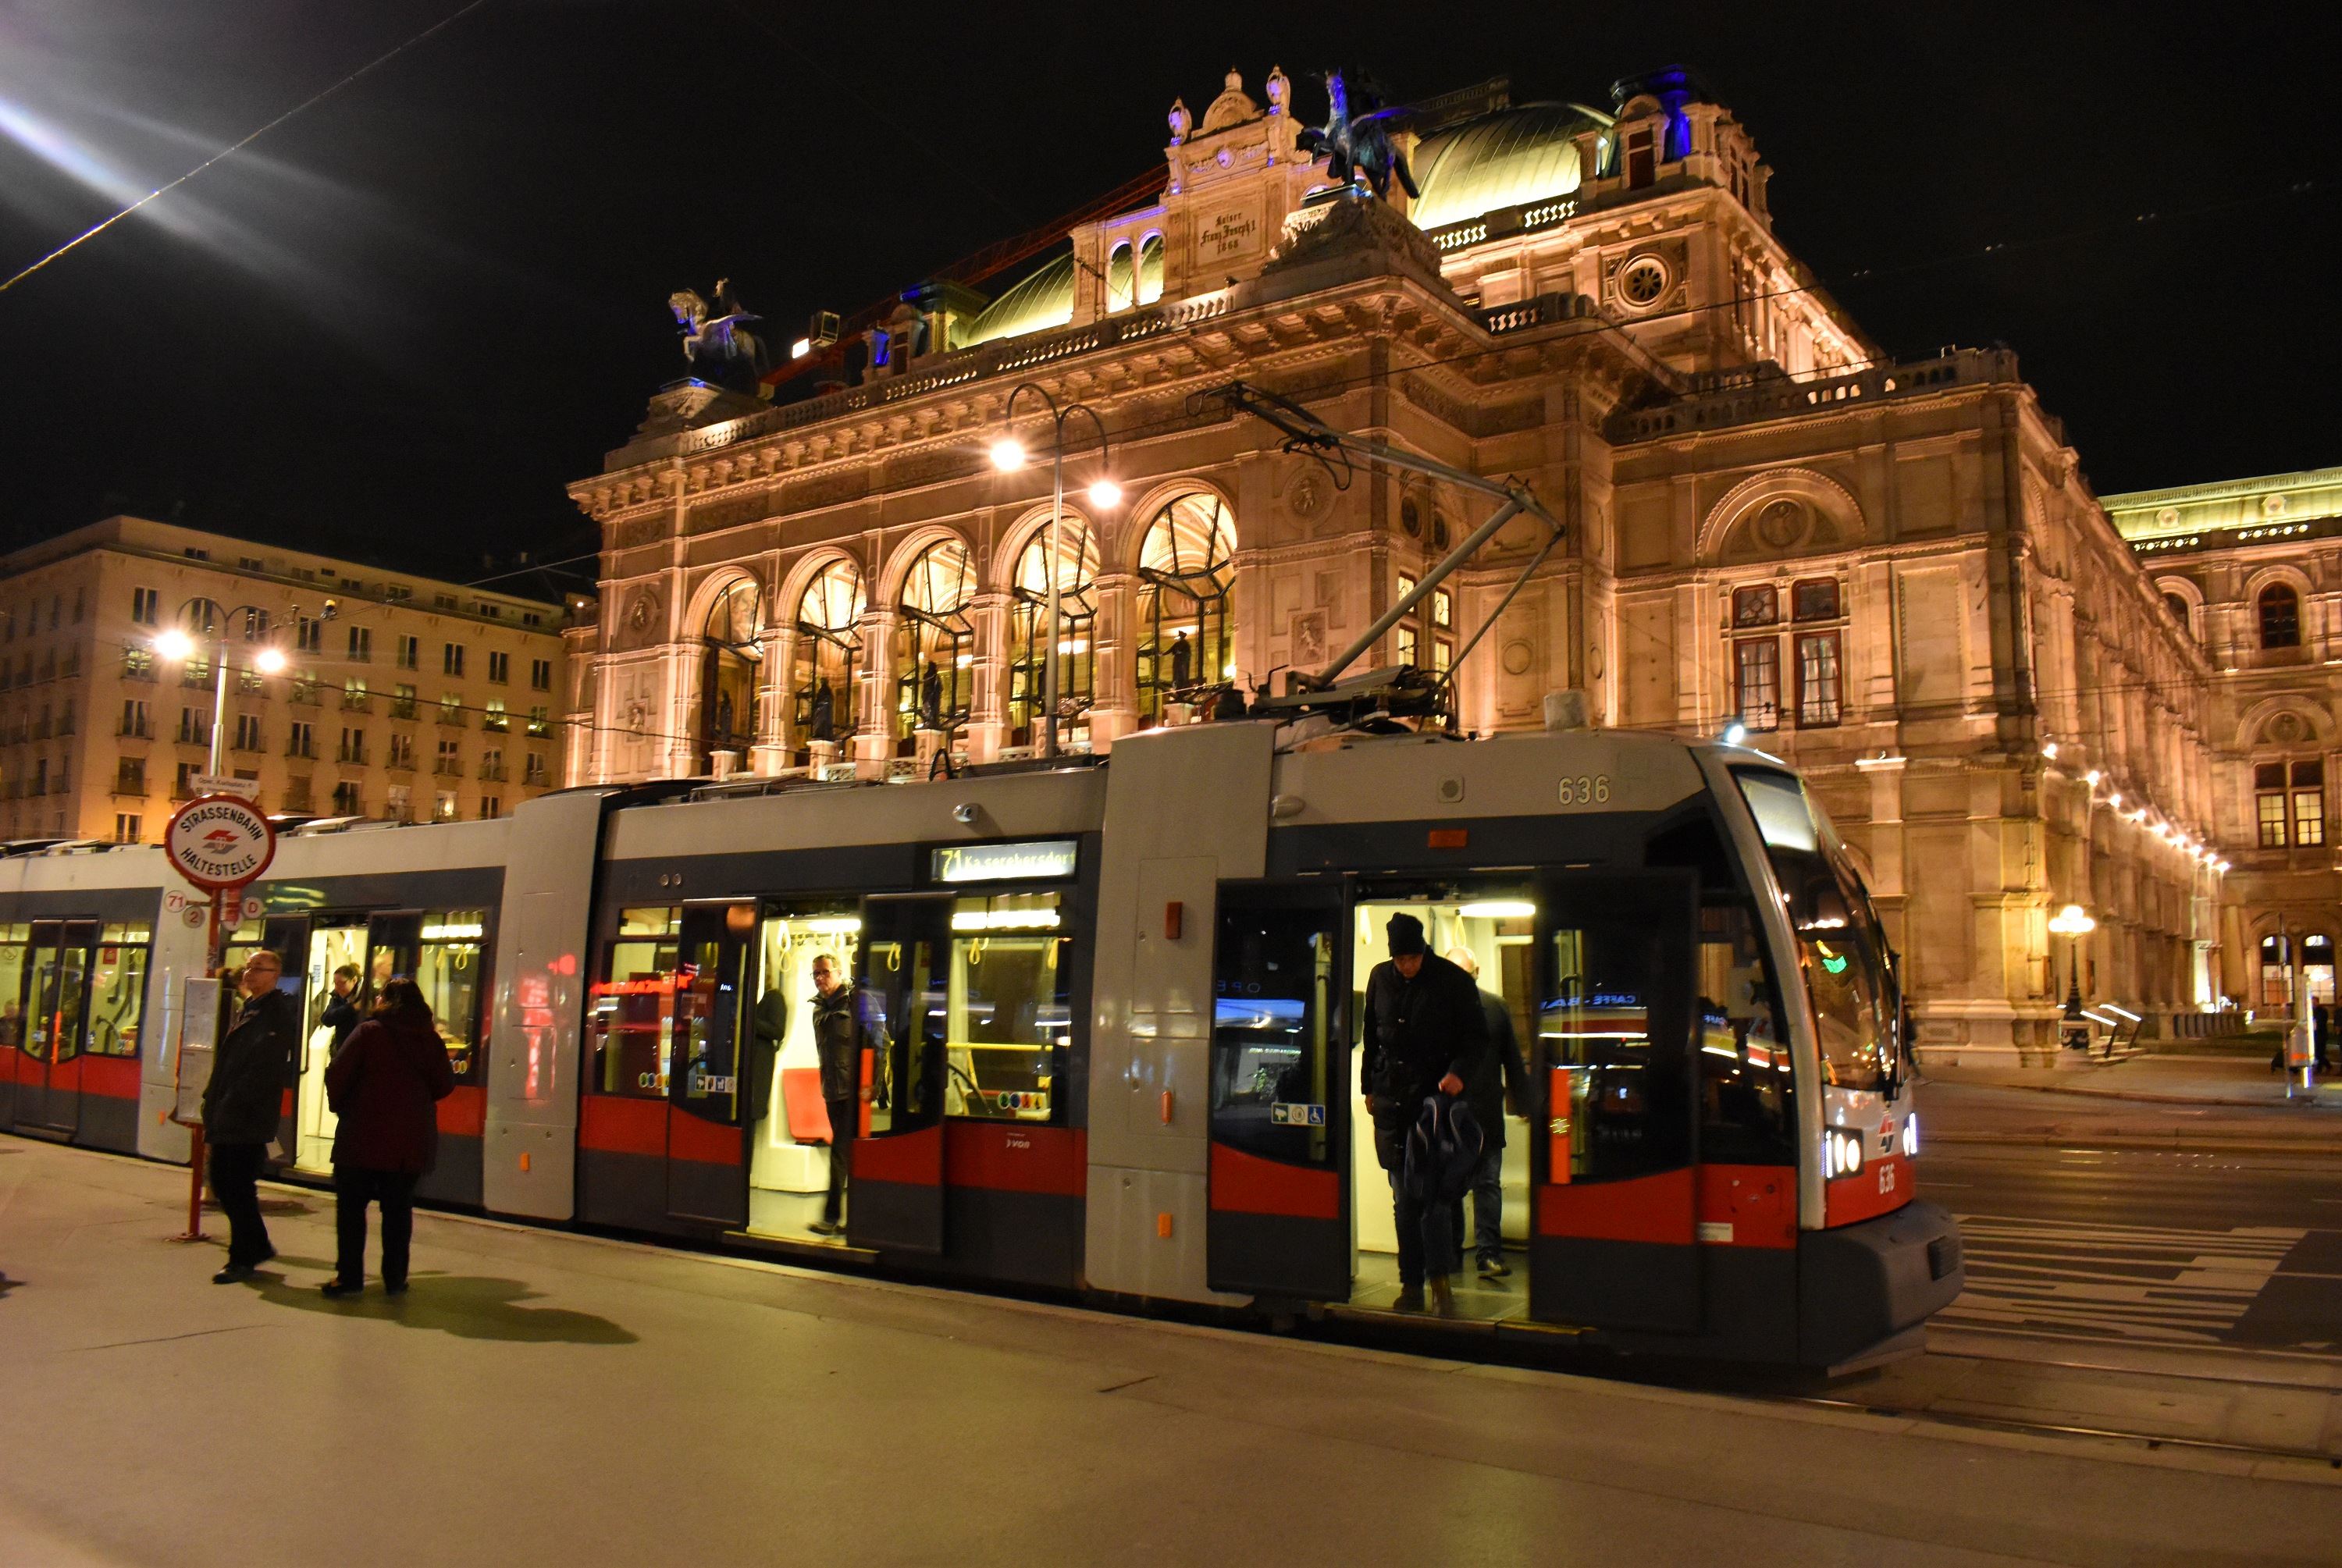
[{"x": 397, "y": 696}]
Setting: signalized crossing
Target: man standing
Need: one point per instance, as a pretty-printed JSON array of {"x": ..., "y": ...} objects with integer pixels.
[
  {"x": 1501, "y": 1083},
  {"x": 840, "y": 1033},
  {"x": 250, "y": 1072},
  {"x": 1425, "y": 1035},
  {"x": 341, "y": 1014}
]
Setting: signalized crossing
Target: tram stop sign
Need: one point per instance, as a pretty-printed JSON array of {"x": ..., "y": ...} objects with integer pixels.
[{"x": 218, "y": 841}]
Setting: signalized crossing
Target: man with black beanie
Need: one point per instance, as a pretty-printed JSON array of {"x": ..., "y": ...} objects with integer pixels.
[{"x": 1425, "y": 1035}]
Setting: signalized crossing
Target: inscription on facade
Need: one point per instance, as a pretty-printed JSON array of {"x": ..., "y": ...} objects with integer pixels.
[{"x": 1231, "y": 234}]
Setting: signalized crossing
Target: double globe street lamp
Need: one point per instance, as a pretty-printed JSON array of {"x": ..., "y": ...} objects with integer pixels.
[
  {"x": 1008, "y": 455},
  {"x": 180, "y": 643},
  {"x": 2074, "y": 923}
]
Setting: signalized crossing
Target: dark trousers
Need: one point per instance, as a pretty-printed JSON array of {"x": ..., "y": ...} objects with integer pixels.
[
  {"x": 236, "y": 1182},
  {"x": 1426, "y": 1235},
  {"x": 844, "y": 1124},
  {"x": 1488, "y": 1207},
  {"x": 355, "y": 1187}
]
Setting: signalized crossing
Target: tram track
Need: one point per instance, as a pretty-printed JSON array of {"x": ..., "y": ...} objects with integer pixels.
[{"x": 2150, "y": 1440}]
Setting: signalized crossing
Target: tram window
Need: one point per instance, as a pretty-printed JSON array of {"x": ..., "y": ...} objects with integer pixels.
[
  {"x": 632, "y": 1021},
  {"x": 1746, "y": 1112},
  {"x": 118, "y": 995},
  {"x": 1612, "y": 1033},
  {"x": 14, "y": 938},
  {"x": 1840, "y": 947},
  {"x": 1007, "y": 1011},
  {"x": 1269, "y": 1002},
  {"x": 448, "y": 966}
]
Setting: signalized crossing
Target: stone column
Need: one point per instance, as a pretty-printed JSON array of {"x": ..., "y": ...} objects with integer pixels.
[
  {"x": 872, "y": 742},
  {"x": 988, "y": 717},
  {"x": 1113, "y": 640},
  {"x": 772, "y": 749}
]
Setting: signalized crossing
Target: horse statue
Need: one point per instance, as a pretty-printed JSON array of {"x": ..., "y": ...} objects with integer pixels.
[
  {"x": 1355, "y": 138},
  {"x": 716, "y": 340}
]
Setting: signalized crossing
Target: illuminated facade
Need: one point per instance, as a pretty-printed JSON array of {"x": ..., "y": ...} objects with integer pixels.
[
  {"x": 417, "y": 699},
  {"x": 1892, "y": 573},
  {"x": 2252, "y": 569}
]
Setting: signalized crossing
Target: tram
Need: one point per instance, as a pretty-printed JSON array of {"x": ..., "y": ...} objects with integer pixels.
[{"x": 1117, "y": 1008}]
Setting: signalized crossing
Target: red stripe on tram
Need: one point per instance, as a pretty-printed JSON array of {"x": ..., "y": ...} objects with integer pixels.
[
  {"x": 1658, "y": 1209},
  {"x": 1247, "y": 1184}
]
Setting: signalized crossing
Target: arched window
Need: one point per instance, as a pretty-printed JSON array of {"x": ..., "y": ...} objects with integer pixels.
[
  {"x": 1121, "y": 281},
  {"x": 2177, "y": 603},
  {"x": 935, "y": 646},
  {"x": 731, "y": 651},
  {"x": 2280, "y": 609},
  {"x": 1077, "y": 620},
  {"x": 828, "y": 648},
  {"x": 1186, "y": 563},
  {"x": 1150, "y": 269}
]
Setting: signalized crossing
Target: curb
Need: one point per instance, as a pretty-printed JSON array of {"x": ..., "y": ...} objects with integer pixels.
[{"x": 2146, "y": 1097}]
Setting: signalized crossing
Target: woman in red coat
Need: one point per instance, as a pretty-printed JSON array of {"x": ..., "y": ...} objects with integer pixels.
[{"x": 382, "y": 1084}]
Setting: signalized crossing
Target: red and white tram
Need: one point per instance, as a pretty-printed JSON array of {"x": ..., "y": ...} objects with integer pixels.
[{"x": 1120, "y": 1000}]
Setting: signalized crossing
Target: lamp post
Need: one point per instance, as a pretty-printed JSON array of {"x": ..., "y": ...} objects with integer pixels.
[
  {"x": 1008, "y": 455},
  {"x": 2074, "y": 923},
  {"x": 179, "y": 643}
]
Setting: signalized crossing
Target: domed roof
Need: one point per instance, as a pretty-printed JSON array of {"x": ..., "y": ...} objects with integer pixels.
[
  {"x": 1035, "y": 303},
  {"x": 1500, "y": 160}
]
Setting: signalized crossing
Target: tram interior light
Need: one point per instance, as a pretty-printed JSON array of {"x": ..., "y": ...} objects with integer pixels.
[
  {"x": 1005, "y": 920},
  {"x": 835, "y": 925},
  {"x": 173, "y": 643},
  {"x": 1007, "y": 453},
  {"x": 1498, "y": 909}
]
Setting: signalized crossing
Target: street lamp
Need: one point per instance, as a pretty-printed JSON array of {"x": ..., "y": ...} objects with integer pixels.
[
  {"x": 1008, "y": 455},
  {"x": 2073, "y": 922},
  {"x": 178, "y": 645}
]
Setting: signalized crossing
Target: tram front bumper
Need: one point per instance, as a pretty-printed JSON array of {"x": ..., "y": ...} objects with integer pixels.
[{"x": 1868, "y": 1290}]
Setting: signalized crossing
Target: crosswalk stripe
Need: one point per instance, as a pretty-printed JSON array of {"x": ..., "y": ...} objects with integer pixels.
[{"x": 2170, "y": 1284}]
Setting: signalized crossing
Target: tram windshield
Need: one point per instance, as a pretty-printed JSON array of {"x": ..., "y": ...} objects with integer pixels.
[{"x": 1840, "y": 946}]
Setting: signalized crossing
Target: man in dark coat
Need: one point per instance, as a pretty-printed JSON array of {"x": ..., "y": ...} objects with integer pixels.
[
  {"x": 253, "y": 1067},
  {"x": 1425, "y": 1035},
  {"x": 841, "y": 1030},
  {"x": 1500, "y": 1085}
]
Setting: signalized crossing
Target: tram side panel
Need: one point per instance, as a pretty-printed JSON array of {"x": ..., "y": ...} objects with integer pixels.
[
  {"x": 80, "y": 995},
  {"x": 543, "y": 940},
  {"x": 1186, "y": 809}
]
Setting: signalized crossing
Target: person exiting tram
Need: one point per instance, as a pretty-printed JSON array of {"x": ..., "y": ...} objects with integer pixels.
[
  {"x": 840, "y": 1033},
  {"x": 256, "y": 1063},
  {"x": 341, "y": 1014},
  {"x": 384, "y": 1084},
  {"x": 1501, "y": 1083},
  {"x": 1425, "y": 1036}
]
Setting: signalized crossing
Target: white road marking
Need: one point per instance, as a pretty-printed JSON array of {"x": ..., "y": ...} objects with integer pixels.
[{"x": 2173, "y": 1284}]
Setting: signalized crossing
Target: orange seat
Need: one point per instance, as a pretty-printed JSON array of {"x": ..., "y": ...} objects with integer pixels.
[{"x": 801, "y": 1102}]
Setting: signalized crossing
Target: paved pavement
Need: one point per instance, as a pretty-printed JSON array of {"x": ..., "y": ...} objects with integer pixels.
[
  {"x": 548, "y": 1398},
  {"x": 2169, "y": 1103}
]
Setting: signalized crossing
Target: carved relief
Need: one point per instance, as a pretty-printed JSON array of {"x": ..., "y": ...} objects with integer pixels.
[{"x": 641, "y": 622}]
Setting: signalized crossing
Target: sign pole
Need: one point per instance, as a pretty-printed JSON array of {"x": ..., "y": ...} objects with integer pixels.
[{"x": 220, "y": 843}]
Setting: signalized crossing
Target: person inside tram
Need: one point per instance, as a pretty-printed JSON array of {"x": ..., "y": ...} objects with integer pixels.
[
  {"x": 842, "y": 1030},
  {"x": 341, "y": 1014},
  {"x": 1499, "y": 1085},
  {"x": 1424, "y": 1036}
]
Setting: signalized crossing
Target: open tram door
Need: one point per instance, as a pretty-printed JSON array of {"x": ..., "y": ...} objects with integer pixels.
[
  {"x": 1614, "y": 1239},
  {"x": 895, "y": 1191},
  {"x": 707, "y": 1078},
  {"x": 1279, "y": 1214}
]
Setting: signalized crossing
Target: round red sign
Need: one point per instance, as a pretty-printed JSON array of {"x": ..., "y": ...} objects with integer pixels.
[{"x": 218, "y": 841}]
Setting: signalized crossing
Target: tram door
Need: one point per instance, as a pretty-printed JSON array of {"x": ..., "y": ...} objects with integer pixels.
[
  {"x": 1614, "y": 1240},
  {"x": 1279, "y": 1222},
  {"x": 895, "y": 1193},
  {"x": 56, "y": 998},
  {"x": 328, "y": 945},
  {"x": 287, "y": 936},
  {"x": 707, "y": 1080}
]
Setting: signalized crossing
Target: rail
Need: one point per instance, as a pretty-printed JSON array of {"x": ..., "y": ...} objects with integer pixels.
[{"x": 1766, "y": 392}]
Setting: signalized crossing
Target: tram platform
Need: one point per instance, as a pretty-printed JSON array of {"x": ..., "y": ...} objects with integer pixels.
[{"x": 549, "y": 1397}]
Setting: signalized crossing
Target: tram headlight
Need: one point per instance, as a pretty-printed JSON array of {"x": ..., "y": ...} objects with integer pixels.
[
  {"x": 1841, "y": 1152},
  {"x": 1911, "y": 1135}
]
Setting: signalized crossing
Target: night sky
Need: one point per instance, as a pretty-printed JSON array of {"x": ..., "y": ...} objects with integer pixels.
[{"x": 395, "y": 326}]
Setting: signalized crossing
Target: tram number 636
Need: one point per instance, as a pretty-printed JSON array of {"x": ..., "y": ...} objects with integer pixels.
[{"x": 1586, "y": 789}]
